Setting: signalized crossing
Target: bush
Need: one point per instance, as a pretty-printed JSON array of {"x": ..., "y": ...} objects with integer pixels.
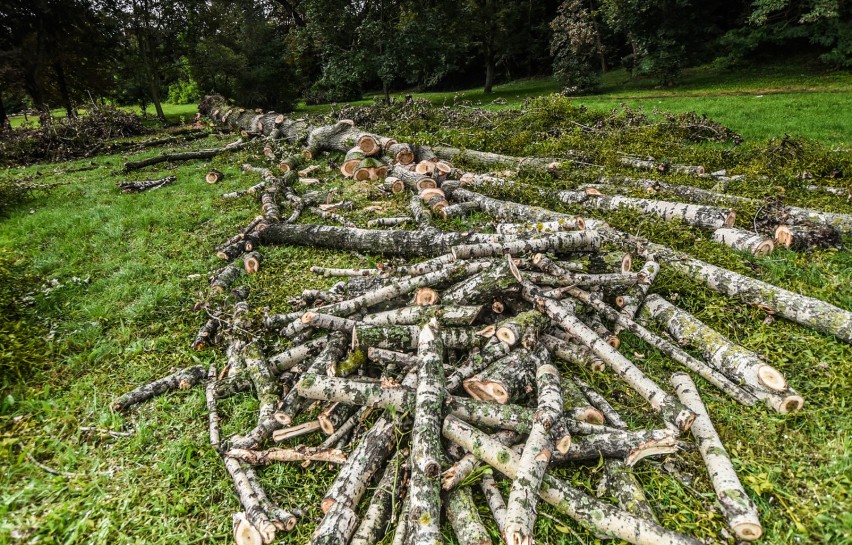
[
  {"x": 68, "y": 138},
  {"x": 184, "y": 92}
]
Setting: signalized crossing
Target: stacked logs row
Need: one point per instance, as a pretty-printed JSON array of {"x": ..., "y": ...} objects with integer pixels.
[{"x": 460, "y": 350}]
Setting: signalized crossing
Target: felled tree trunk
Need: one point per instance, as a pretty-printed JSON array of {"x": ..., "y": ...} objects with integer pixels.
[
  {"x": 495, "y": 501},
  {"x": 145, "y": 185},
  {"x": 300, "y": 453},
  {"x": 572, "y": 353},
  {"x": 662, "y": 167},
  {"x": 555, "y": 226},
  {"x": 630, "y": 446},
  {"x": 801, "y": 309},
  {"x": 493, "y": 160},
  {"x": 184, "y": 156},
  {"x": 746, "y": 241},
  {"x": 764, "y": 381},
  {"x": 521, "y": 507},
  {"x": 375, "y": 521},
  {"x": 738, "y": 509},
  {"x": 403, "y": 243},
  {"x": 180, "y": 380},
  {"x": 708, "y": 217},
  {"x": 426, "y": 450},
  {"x": 800, "y": 237},
  {"x": 450, "y": 315},
  {"x": 464, "y": 518}
]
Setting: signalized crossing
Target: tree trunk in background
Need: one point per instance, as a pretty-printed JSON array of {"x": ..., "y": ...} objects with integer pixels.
[
  {"x": 4, "y": 119},
  {"x": 598, "y": 43},
  {"x": 142, "y": 13},
  {"x": 59, "y": 72},
  {"x": 489, "y": 69}
]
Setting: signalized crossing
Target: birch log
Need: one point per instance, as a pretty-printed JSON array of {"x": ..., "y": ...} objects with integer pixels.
[
  {"x": 464, "y": 518},
  {"x": 763, "y": 380},
  {"x": 746, "y": 241},
  {"x": 587, "y": 511},
  {"x": 738, "y": 509}
]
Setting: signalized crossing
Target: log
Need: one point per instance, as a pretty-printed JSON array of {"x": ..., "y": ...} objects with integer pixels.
[
  {"x": 288, "y": 359},
  {"x": 745, "y": 241},
  {"x": 403, "y": 243},
  {"x": 662, "y": 167},
  {"x": 629, "y": 446},
  {"x": 562, "y": 313},
  {"x": 525, "y": 325},
  {"x": 389, "y": 222},
  {"x": 336, "y": 527},
  {"x": 491, "y": 351},
  {"x": 487, "y": 159},
  {"x": 296, "y": 454},
  {"x": 737, "y": 507},
  {"x": 448, "y": 315},
  {"x": 610, "y": 416},
  {"x": 182, "y": 379},
  {"x": 333, "y": 416},
  {"x": 426, "y": 450},
  {"x": 712, "y": 375},
  {"x": 464, "y": 518},
  {"x": 764, "y": 381},
  {"x": 572, "y": 353},
  {"x": 184, "y": 156},
  {"x": 633, "y": 297},
  {"x": 506, "y": 380},
  {"x": 495, "y": 501},
  {"x": 801, "y": 237},
  {"x": 559, "y": 242},
  {"x": 268, "y": 392},
  {"x": 480, "y": 288},
  {"x": 374, "y": 524},
  {"x": 405, "y": 337},
  {"x": 521, "y": 507},
  {"x": 298, "y": 430},
  {"x": 598, "y": 516},
  {"x": 255, "y": 527},
  {"x": 381, "y": 355},
  {"x": 543, "y": 227},
  {"x": 145, "y": 185},
  {"x": 214, "y": 176},
  {"x": 577, "y": 406},
  {"x": 708, "y": 217}
]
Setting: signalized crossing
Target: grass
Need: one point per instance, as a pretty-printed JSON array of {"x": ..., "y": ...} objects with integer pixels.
[
  {"x": 129, "y": 269},
  {"x": 794, "y": 98},
  {"x": 175, "y": 113}
]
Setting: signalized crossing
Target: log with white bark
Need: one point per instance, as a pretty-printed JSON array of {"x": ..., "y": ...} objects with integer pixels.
[
  {"x": 586, "y": 510},
  {"x": 577, "y": 406},
  {"x": 182, "y": 379},
  {"x": 299, "y": 453},
  {"x": 506, "y": 380},
  {"x": 449, "y": 315},
  {"x": 495, "y": 500},
  {"x": 662, "y": 167},
  {"x": 630, "y": 446},
  {"x": 739, "y": 510},
  {"x": 572, "y": 353},
  {"x": 803, "y": 237},
  {"x": 543, "y": 227},
  {"x": 523, "y": 497},
  {"x": 633, "y": 297},
  {"x": 522, "y": 327},
  {"x": 372, "y": 528},
  {"x": 709, "y": 373},
  {"x": 459, "y": 471},
  {"x": 561, "y": 312},
  {"x": 337, "y": 526},
  {"x": 746, "y": 241},
  {"x": 708, "y": 217},
  {"x": 390, "y": 357},
  {"x": 488, "y": 159},
  {"x": 558, "y": 242},
  {"x": 464, "y": 518},
  {"x": 764, "y": 381}
]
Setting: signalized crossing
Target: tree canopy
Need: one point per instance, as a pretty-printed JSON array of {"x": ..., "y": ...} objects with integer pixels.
[{"x": 269, "y": 52}]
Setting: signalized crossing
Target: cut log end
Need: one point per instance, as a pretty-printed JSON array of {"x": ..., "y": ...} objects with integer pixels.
[
  {"x": 426, "y": 296},
  {"x": 327, "y": 504},
  {"x": 613, "y": 341},
  {"x": 369, "y": 145},
  {"x": 590, "y": 415},
  {"x": 747, "y": 531},
  {"x": 771, "y": 378},
  {"x": 426, "y": 183},
  {"x": 766, "y": 247},
  {"x": 498, "y": 307},
  {"x": 214, "y": 177},
  {"x": 563, "y": 444},
  {"x": 790, "y": 404},
  {"x": 507, "y": 335},
  {"x": 730, "y": 219},
  {"x": 244, "y": 531},
  {"x": 626, "y": 264},
  {"x": 784, "y": 236},
  {"x": 348, "y": 167}
]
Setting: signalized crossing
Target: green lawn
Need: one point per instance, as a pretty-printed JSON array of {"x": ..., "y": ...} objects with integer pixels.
[{"x": 175, "y": 113}]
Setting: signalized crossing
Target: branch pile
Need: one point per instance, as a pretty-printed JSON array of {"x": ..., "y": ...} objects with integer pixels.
[{"x": 411, "y": 375}]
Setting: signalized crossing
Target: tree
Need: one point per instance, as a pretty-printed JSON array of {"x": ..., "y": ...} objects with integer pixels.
[{"x": 574, "y": 45}]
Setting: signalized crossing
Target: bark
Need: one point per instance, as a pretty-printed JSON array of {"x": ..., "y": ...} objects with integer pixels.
[
  {"x": 288, "y": 359},
  {"x": 180, "y": 380},
  {"x": 271, "y": 124},
  {"x": 327, "y": 321},
  {"x": 800, "y": 237},
  {"x": 745, "y": 241},
  {"x": 509, "y": 211},
  {"x": 362, "y": 464},
  {"x": 493, "y": 161},
  {"x": 620, "y": 482},
  {"x": 282, "y": 520},
  {"x": 505, "y": 381},
  {"x": 708, "y": 217},
  {"x": 268, "y": 392},
  {"x": 184, "y": 156},
  {"x": 297, "y": 454},
  {"x": 634, "y": 296},
  {"x": 458, "y": 210},
  {"x": 491, "y": 351},
  {"x": 558, "y": 242},
  {"x": 673, "y": 412},
  {"x": 389, "y": 222},
  {"x": 145, "y": 185},
  {"x": 375, "y": 522},
  {"x": 572, "y": 353},
  {"x": 495, "y": 501},
  {"x": 214, "y": 176},
  {"x": 464, "y": 518},
  {"x": 223, "y": 280},
  {"x": 426, "y": 449},
  {"x": 598, "y": 516},
  {"x": 255, "y": 514},
  {"x": 449, "y": 315},
  {"x": 402, "y": 243},
  {"x": 405, "y": 337},
  {"x": 521, "y": 507},
  {"x": 336, "y": 527},
  {"x": 333, "y": 416},
  {"x": 402, "y": 523},
  {"x": 737, "y": 507},
  {"x": 742, "y": 365}
]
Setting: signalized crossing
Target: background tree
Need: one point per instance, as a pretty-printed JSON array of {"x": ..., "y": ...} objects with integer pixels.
[{"x": 575, "y": 46}]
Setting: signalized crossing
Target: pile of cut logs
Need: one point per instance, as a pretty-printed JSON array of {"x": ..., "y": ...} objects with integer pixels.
[{"x": 411, "y": 375}]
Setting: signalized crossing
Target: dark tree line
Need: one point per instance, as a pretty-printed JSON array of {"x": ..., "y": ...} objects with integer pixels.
[{"x": 268, "y": 52}]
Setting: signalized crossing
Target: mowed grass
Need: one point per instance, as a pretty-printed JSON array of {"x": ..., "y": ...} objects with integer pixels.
[
  {"x": 795, "y": 98},
  {"x": 130, "y": 268},
  {"x": 175, "y": 113}
]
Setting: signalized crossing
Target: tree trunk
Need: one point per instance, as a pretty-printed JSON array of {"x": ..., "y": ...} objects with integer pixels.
[
  {"x": 464, "y": 518},
  {"x": 5, "y": 124},
  {"x": 746, "y": 241},
  {"x": 180, "y": 380},
  {"x": 737, "y": 507},
  {"x": 61, "y": 82},
  {"x": 742, "y": 365}
]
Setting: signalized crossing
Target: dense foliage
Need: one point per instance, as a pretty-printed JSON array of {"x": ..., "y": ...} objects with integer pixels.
[{"x": 269, "y": 52}]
